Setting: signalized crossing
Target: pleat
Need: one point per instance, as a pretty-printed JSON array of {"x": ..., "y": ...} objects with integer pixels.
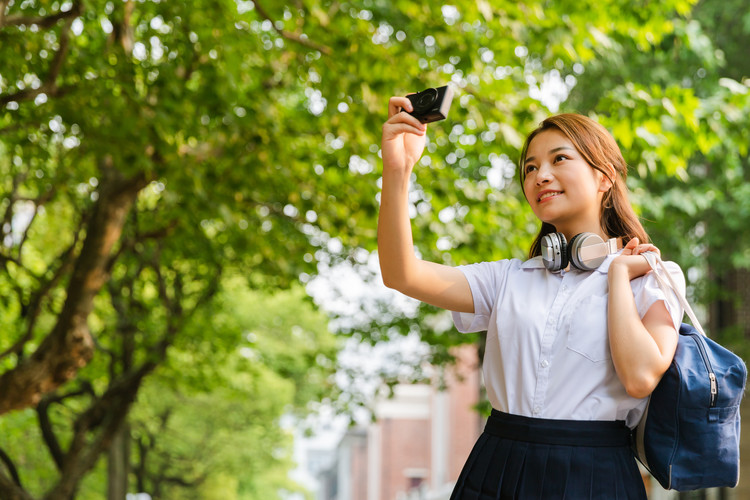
[
  {"x": 622, "y": 474},
  {"x": 580, "y": 473},
  {"x": 475, "y": 460},
  {"x": 630, "y": 475},
  {"x": 513, "y": 471},
  {"x": 535, "y": 471},
  {"x": 505, "y": 454},
  {"x": 605, "y": 474},
  {"x": 557, "y": 472}
]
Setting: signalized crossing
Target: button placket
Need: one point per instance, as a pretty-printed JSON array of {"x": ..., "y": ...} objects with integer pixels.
[{"x": 548, "y": 338}]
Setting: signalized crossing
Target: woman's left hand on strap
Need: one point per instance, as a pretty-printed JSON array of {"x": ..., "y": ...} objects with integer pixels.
[{"x": 631, "y": 259}]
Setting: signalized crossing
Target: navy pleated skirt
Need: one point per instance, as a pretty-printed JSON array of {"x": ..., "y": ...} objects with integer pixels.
[{"x": 533, "y": 458}]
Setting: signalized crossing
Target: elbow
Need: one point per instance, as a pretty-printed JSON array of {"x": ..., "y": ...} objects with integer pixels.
[
  {"x": 640, "y": 387},
  {"x": 392, "y": 280},
  {"x": 640, "y": 382},
  {"x": 389, "y": 282},
  {"x": 394, "y": 277},
  {"x": 638, "y": 391}
]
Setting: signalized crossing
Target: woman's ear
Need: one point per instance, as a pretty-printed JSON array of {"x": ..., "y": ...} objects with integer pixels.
[{"x": 605, "y": 181}]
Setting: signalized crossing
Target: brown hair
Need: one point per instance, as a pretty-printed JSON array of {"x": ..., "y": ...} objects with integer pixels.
[{"x": 599, "y": 149}]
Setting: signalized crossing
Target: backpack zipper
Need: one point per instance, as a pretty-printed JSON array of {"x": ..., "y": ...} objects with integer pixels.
[{"x": 709, "y": 369}]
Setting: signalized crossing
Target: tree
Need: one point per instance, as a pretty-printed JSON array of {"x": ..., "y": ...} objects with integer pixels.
[
  {"x": 151, "y": 149},
  {"x": 212, "y": 411}
]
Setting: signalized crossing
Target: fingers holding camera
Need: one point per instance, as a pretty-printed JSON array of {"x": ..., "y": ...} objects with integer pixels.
[
  {"x": 403, "y": 139},
  {"x": 395, "y": 127},
  {"x": 397, "y": 103},
  {"x": 399, "y": 122}
]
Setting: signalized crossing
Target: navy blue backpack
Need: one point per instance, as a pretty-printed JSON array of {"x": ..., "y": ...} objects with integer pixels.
[{"x": 689, "y": 436}]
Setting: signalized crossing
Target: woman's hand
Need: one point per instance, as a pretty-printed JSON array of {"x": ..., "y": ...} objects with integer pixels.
[
  {"x": 403, "y": 137},
  {"x": 631, "y": 259}
]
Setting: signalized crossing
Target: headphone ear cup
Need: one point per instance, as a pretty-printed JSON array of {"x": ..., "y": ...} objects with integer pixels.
[
  {"x": 574, "y": 248},
  {"x": 580, "y": 241},
  {"x": 554, "y": 251}
]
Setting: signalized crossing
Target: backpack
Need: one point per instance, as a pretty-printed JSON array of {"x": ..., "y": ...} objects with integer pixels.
[{"x": 689, "y": 435}]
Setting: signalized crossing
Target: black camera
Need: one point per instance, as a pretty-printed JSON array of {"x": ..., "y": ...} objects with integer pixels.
[{"x": 431, "y": 105}]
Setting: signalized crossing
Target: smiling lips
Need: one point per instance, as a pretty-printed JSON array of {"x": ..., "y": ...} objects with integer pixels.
[{"x": 545, "y": 195}]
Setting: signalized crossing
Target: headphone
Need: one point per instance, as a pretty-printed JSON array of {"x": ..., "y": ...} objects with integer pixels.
[{"x": 586, "y": 251}]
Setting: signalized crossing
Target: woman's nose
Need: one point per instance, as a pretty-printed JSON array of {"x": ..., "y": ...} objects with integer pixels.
[{"x": 544, "y": 174}]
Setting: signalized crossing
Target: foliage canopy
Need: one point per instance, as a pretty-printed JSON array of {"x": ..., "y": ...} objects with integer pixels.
[{"x": 161, "y": 159}]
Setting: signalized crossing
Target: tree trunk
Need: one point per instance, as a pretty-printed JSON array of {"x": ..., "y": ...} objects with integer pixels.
[
  {"x": 69, "y": 346},
  {"x": 118, "y": 464},
  {"x": 728, "y": 312}
]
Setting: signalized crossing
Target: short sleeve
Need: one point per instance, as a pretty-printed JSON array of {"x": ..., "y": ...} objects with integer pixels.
[
  {"x": 484, "y": 280},
  {"x": 647, "y": 292}
]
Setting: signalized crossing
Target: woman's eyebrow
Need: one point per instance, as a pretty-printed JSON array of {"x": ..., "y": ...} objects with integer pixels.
[{"x": 551, "y": 151}]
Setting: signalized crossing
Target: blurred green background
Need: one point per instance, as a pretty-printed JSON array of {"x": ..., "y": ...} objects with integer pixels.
[{"x": 177, "y": 177}]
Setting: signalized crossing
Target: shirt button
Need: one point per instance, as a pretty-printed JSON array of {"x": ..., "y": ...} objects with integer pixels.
[
  {"x": 545, "y": 363},
  {"x": 565, "y": 288},
  {"x": 537, "y": 410}
]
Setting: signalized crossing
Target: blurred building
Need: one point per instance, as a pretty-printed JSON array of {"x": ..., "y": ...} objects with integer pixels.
[{"x": 417, "y": 444}]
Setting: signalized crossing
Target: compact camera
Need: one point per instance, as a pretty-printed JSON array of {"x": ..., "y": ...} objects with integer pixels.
[{"x": 431, "y": 105}]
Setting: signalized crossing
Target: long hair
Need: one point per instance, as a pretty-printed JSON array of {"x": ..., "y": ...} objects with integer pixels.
[{"x": 599, "y": 149}]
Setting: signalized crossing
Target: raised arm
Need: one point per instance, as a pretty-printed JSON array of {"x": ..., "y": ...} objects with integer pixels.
[
  {"x": 443, "y": 286},
  {"x": 642, "y": 349}
]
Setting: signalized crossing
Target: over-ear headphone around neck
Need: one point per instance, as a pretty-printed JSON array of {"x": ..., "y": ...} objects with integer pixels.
[{"x": 586, "y": 251}]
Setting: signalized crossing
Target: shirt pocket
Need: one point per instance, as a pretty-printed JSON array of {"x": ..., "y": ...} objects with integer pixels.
[{"x": 587, "y": 330}]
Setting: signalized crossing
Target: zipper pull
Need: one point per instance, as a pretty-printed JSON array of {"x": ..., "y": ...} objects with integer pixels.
[{"x": 714, "y": 389}]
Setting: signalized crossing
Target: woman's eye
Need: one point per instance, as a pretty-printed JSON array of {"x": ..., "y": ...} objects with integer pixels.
[
  {"x": 559, "y": 158},
  {"x": 530, "y": 168}
]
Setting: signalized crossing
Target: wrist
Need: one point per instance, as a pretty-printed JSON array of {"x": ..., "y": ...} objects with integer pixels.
[
  {"x": 618, "y": 270},
  {"x": 394, "y": 175}
]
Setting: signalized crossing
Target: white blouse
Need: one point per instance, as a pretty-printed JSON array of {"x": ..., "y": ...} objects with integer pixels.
[{"x": 547, "y": 352}]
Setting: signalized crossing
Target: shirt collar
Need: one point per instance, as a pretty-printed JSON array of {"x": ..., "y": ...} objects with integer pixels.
[
  {"x": 533, "y": 263},
  {"x": 536, "y": 263}
]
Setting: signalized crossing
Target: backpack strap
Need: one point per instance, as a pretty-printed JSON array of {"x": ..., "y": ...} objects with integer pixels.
[{"x": 668, "y": 285}]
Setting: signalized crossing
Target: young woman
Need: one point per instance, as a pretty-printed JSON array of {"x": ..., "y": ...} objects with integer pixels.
[{"x": 575, "y": 341}]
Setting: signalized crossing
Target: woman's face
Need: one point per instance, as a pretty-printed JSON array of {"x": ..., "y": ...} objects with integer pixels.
[{"x": 561, "y": 187}]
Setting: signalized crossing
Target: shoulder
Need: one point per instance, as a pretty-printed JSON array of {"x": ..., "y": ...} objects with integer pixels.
[
  {"x": 647, "y": 291},
  {"x": 649, "y": 280},
  {"x": 502, "y": 266}
]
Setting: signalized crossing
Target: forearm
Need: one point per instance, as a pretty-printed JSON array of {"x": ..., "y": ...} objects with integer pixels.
[
  {"x": 437, "y": 284},
  {"x": 395, "y": 240},
  {"x": 636, "y": 355}
]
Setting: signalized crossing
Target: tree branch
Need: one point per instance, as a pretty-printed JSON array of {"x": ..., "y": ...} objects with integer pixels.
[
  {"x": 3, "y": 6},
  {"x": 48, "y": 433},
  {"x": 38, "y": 202},
  {"x": 10, "y": 490},
  {"x": 122, "y": 28},
  {"x": 294, "y": 37},
  {"x": 44, "y": 22},
  {"x": 106, "y": 414},
  {"x": 10, "y": 466},
  {"x": 69, "y": 347},
  {"x": 49, "y": 86},
  {"x": 12, "y": 197},
  {"x": 31, "y": 310}
]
